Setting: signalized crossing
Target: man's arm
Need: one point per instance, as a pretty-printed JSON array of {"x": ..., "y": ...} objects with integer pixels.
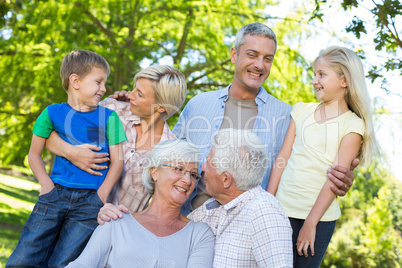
[
  {"x": 282, "y": 158},
  {"x": 37, "y": 166},
  {"x": 342, "y": 178},
  {"x": 81, "y": 156},
  {"x": 114, "y": 172}
]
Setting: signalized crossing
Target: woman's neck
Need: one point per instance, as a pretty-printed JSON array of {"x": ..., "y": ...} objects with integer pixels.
[
  {"x": 161, "y": 219},
  {"x": 155, "y": 123},
  {"x": 164, "y": 212},
  {"x": 149, "y": 133}
]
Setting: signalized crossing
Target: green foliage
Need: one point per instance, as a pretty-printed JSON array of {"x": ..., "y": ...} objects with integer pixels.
[
  {"x": 387, "y": 37},
  {"x": 357, "y": 27},
  {"x": 17, "y": 197},
  {"x": 194, "y": 36},
  {"x": 368, "y": 232}
]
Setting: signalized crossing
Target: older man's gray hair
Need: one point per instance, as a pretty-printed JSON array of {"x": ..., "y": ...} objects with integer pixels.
[{"x": 241, "y": 154}]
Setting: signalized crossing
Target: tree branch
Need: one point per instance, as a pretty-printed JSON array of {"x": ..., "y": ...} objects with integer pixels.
[
  {"x": 207, "y": 73},
  {"x": 133, "y": 25},
  {"x": 254, "y": 15},
  {"x": 203, "y": 85},
  {"x": 201, "y": 66},
  {"x": 159, "y": 43},
  {"x": 183, "y": 40},
  {"x": 98, "y": 23},
  {"x": 12, "y": 53}
]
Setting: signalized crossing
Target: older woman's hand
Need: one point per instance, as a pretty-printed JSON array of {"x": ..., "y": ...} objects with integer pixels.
[
  {"x": 120, "y": 95},
  {"x": 110, "y": 211},
  {"x": 342, "y": 178}
]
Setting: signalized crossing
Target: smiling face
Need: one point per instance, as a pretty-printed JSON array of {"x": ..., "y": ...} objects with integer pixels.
[
  {"x": 252, "y": 63},
  {"x": 142, "y": 99},
  {"x": 90, "y": 89},
  {"x": 329, "y": 85},
  {"x": 174, "y": 188}
]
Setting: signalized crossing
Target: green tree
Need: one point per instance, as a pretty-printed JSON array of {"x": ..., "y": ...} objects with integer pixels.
[
  {"x": 386, "y": 15},
  {"x": 194, "y": 36},
  {"x": 368, "y": 234}
]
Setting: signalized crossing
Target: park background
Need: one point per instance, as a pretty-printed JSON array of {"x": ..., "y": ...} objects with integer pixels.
[{"x": 195, "y": 37}]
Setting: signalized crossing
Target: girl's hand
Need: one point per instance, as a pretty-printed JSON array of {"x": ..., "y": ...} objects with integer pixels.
[{"x": 306, "y": 239}]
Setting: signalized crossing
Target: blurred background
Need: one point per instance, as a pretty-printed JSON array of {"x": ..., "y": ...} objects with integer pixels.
[{"x": 196, "y": 37}]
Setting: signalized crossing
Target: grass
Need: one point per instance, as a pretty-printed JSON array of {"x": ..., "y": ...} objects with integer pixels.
[{"x": 18, "y": 195}]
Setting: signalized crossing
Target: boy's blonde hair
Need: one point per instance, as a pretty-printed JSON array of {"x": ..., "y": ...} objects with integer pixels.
[
  {"x": 81, "y": 62},
  {"x": 169, "y": 85},
  {"x": 346, "y": 63}
]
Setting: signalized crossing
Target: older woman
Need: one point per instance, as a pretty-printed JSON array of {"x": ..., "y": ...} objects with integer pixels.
[
  {"x": 159, "y": 92},
  {"x": 159, "y": 236}
]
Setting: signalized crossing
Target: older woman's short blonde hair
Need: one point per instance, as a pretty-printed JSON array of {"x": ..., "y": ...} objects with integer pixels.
[
  {"x": 176, "y": 151},
  {"x": 169, "y": 85}
]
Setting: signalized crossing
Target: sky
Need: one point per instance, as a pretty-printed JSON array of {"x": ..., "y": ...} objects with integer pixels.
[{"x": 387, "y": 126}]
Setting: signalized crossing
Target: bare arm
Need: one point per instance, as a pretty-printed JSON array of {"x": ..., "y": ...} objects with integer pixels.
[
  {"x": 81, "y": 156},
  {"x": 282, "y": 158},
  {"x": 113, "y": 174},
  {"x": 37, "y": 166},
  {"x": 348, "y": 150}
]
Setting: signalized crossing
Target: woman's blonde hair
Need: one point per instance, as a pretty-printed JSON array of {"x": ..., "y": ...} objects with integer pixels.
[
  {"x": 346, "y": 63},
  {"x": 169, "y": 85}
]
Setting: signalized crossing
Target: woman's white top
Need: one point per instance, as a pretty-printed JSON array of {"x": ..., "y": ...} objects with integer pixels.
[{"x": 126, "y": 243}]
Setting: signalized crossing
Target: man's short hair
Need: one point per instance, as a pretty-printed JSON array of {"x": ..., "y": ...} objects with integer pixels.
[
  {"x": 255, "y": 28},
  {"x": 81, "y": 62},
  {"x": 169, "y": 85},
  {"x": 242, "y": 154}
]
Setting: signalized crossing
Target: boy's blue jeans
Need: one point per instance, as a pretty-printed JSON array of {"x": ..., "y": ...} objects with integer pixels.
[
  {"x": 68, "y": 215},
  {"x": 323, "y": 235}
]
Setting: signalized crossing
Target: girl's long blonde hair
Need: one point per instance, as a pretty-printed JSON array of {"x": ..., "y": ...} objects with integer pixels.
[{"x": 346, "y": 63}]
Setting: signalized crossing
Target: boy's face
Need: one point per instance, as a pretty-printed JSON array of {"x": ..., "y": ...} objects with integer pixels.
[{"x": 91, "y": 87}]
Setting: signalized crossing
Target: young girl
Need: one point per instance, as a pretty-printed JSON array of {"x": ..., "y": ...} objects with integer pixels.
[{"x": 332, "y": 132}]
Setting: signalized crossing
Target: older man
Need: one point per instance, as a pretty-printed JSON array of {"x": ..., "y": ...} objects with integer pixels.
[{"x": 250, "y": 226}]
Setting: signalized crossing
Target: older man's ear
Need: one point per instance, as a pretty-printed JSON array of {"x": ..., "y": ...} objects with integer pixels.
[{"x": 227, "y": 180}]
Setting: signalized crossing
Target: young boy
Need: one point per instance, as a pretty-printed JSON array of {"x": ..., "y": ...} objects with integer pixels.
[{"x": 64, "y": 217}]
